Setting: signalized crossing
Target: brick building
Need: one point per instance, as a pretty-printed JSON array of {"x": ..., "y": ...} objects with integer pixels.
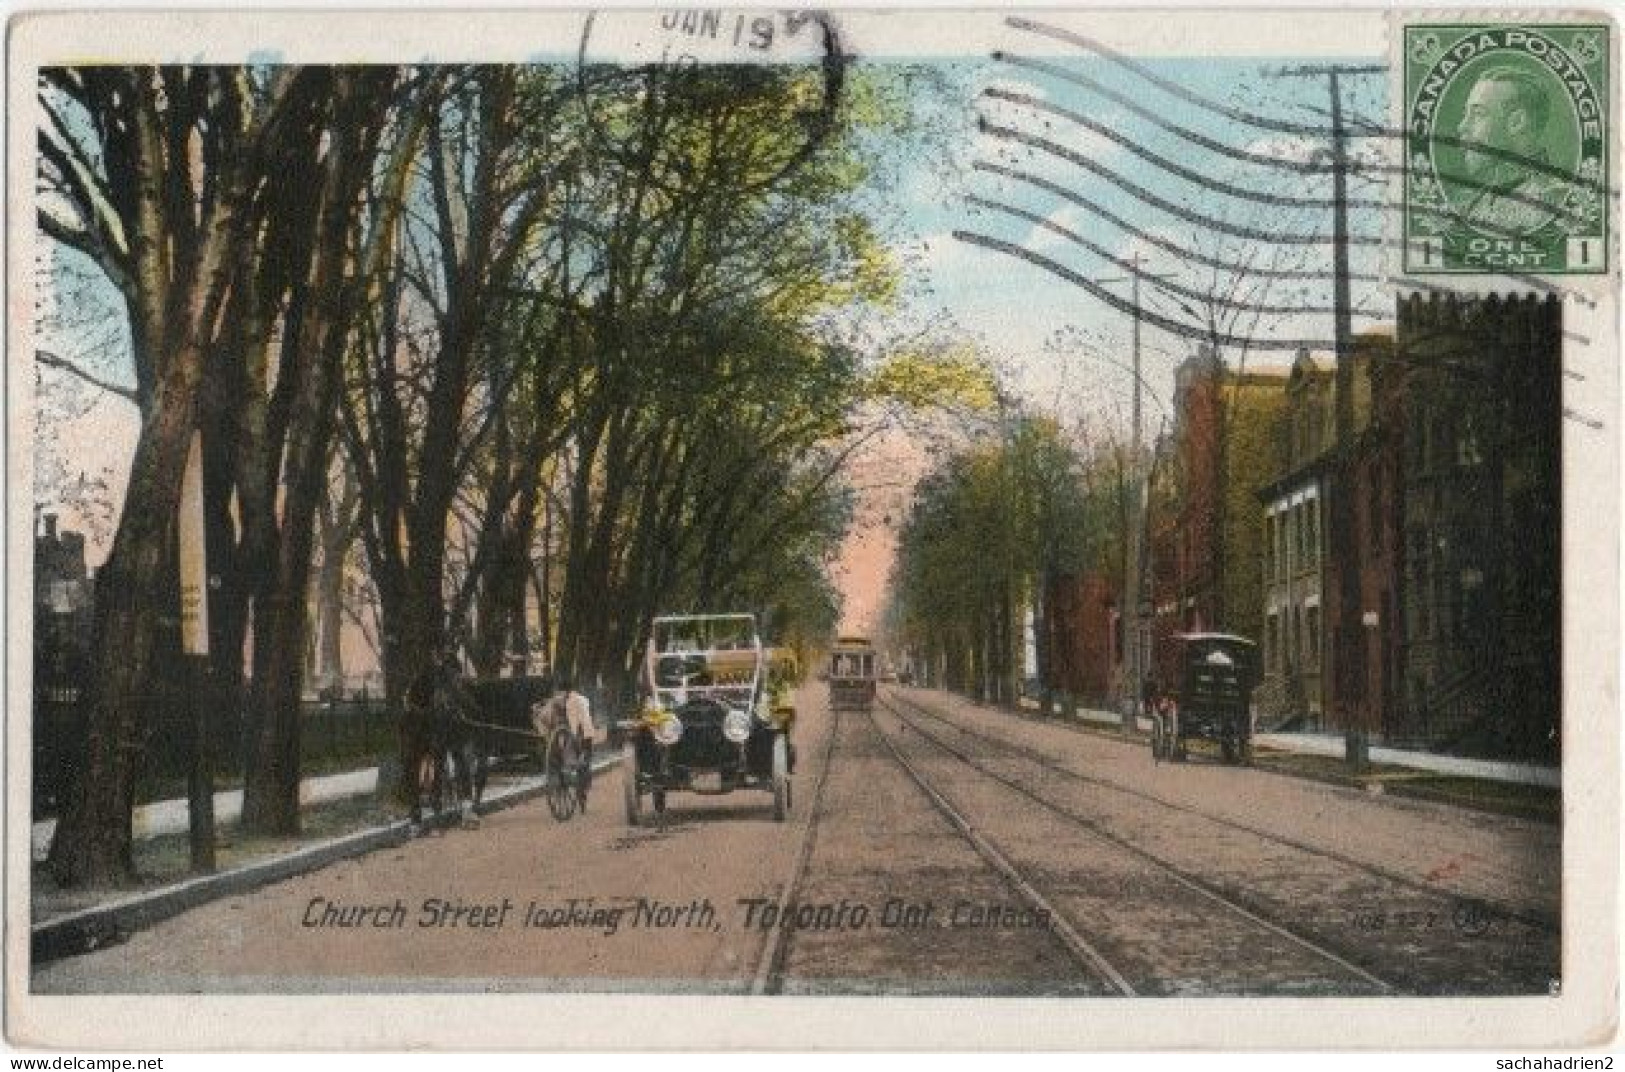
[
  {"x": 1456, "y": 643},
  {"x": 1080, "y": 629},
  {"x": 1207, "y": 559},
  {"x": 62, "y": 626},
  {"x": 1296, "y": 539}
]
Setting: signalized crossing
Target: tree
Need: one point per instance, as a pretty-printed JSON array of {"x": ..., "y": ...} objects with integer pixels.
[
  {"x": 157, "y": 174},
  {"x": 989, "y": 528}
]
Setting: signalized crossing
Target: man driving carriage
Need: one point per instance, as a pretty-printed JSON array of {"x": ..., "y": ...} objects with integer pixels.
[{"x": 569, "y": 708}]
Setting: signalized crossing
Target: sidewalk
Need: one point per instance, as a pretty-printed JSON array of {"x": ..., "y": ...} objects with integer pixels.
[
  {"x": 170, "y": 816},
  {"x": 1328, "y": 744},
  {"x": 80, "y": 921}
]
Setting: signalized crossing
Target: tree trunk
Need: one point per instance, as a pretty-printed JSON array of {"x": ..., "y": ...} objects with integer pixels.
[
  {"x": 93, "y": 838},
  {"x": 271, "y": 782}
]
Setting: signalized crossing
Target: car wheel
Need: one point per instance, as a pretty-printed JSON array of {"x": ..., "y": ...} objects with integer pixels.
[
  {"x": 629, "y": 779},
  {"x": 781, "y": 779}
]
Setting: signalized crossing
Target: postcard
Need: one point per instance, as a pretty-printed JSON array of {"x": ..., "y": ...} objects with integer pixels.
[{"x": 836, "y": 528}]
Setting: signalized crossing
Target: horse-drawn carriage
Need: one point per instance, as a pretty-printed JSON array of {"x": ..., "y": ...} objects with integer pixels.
[
  {"x": 1217, "y": 674},
  {"x": 481, "y": 722}
]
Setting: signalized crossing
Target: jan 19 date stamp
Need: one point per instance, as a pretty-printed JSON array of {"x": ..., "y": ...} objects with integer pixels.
[{"x": 1506, "y": 142}]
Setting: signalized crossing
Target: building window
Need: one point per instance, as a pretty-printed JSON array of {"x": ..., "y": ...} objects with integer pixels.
[
  {"x": 1279, "y": 541},
  {"x": 1313, "y": 514},
  {"x": 1467, "y": 452},
  {"x": 1421, "y": 577},
  {"x": 1374, "y": 508}
]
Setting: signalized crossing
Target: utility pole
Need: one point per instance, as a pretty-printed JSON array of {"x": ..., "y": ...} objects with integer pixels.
[
  {"x": 1131, "y": 619},
  {"x": 1345, "y": 547}
]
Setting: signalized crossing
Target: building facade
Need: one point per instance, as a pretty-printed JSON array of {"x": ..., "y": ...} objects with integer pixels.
[
  {"x": 1291, "y": 644},
  {"x": 1455, "y": 643},
  {"x": 1080, "y": 629},
  {"x": 1298, "y": 544},
  {"x": 1207, "y": 564}
]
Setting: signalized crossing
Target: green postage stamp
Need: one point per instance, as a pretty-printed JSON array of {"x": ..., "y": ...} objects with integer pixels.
[{"x": 1507, "y": 147}]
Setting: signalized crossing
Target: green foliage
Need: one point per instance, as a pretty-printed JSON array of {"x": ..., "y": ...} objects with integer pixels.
[
  {"x": 919, "y": 380},
  {"x": 987, "y": 527}
]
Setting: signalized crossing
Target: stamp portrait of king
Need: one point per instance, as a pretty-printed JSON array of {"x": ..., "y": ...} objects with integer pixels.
[{"x": 1507, "y": 134}]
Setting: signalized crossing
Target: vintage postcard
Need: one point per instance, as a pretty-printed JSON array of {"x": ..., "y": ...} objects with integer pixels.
[{"x": 832, "y": 528}]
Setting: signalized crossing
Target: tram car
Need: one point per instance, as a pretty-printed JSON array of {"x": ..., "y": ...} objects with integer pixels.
[
  {"x": 709, "y": 723},
  {"x": 852, "y": 675},
  {"x": 1217, "y": 675}
]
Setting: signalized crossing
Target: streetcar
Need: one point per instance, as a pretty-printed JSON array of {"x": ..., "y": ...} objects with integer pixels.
[
  {"x": 709, "y": 723},
  {"x": 852, "y": 674},
  {"x": 1217, "y": 674}
]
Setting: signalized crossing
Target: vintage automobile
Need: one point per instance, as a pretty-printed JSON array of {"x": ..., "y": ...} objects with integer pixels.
[
  {"x": 852, "y": 674},
  {"x": 709, "y": 721},
  {"x": 1217, "y": 674}
]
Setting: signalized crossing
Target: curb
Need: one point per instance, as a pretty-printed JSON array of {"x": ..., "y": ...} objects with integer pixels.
[
  {"x": 1399, "y": 790},
  {"x": 89, "y": 929}
]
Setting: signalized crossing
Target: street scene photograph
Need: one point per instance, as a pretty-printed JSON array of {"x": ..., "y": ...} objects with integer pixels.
[{"x": 788, "y": 505}]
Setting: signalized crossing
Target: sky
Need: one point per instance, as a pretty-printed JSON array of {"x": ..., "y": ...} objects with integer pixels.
[
  {"x": 1103, "y": 108},
  {"x": 1147, "y": 177}
]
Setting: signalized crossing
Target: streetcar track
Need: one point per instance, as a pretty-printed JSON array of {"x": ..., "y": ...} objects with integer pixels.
[
  {"x": 769, "y": 975},
  {"x": 1533, "y": 918},
  {"x": 1191, "y": 882},
  {"x": 1085, "y": 954}
]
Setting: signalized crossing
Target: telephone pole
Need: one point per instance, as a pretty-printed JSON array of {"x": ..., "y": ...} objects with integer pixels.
[
  {"x": 1345, "y": 547},
  {"x": 1131, "y": 619}
]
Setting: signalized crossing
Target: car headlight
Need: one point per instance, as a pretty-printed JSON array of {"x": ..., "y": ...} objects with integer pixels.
[
  {"x": 668, "y": 731},
  {"x": 736, "y": 726}
]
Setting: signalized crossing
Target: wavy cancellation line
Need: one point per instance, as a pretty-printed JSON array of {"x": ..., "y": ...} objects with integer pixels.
[
  {"x": 1524, "y": 160},
  {"x": 1466, "y": 182},
  {"x": 1185, "y": 292},
  {"x": 1153, "y": 238},
  {"x": 1033, "y": 141},
  {"x": 1172, "y": 167}
]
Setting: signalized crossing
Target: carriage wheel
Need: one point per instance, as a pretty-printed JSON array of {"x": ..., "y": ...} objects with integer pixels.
[
  {"x": 583, "y": 782},
  {"x": 629, "y": 782},
  {"x": 561, "y": 798}
]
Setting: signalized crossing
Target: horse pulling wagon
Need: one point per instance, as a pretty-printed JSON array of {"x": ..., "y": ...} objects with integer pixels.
[
  {"x": 485, "y": 720},
  {"x": 1218, "y": 672}
]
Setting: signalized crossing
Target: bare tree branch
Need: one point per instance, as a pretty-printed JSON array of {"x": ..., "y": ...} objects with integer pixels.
[{"x": 51, "y": 360}]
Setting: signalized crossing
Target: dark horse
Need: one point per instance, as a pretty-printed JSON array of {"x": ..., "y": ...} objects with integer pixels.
[{"x": 470, "y": 723}]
